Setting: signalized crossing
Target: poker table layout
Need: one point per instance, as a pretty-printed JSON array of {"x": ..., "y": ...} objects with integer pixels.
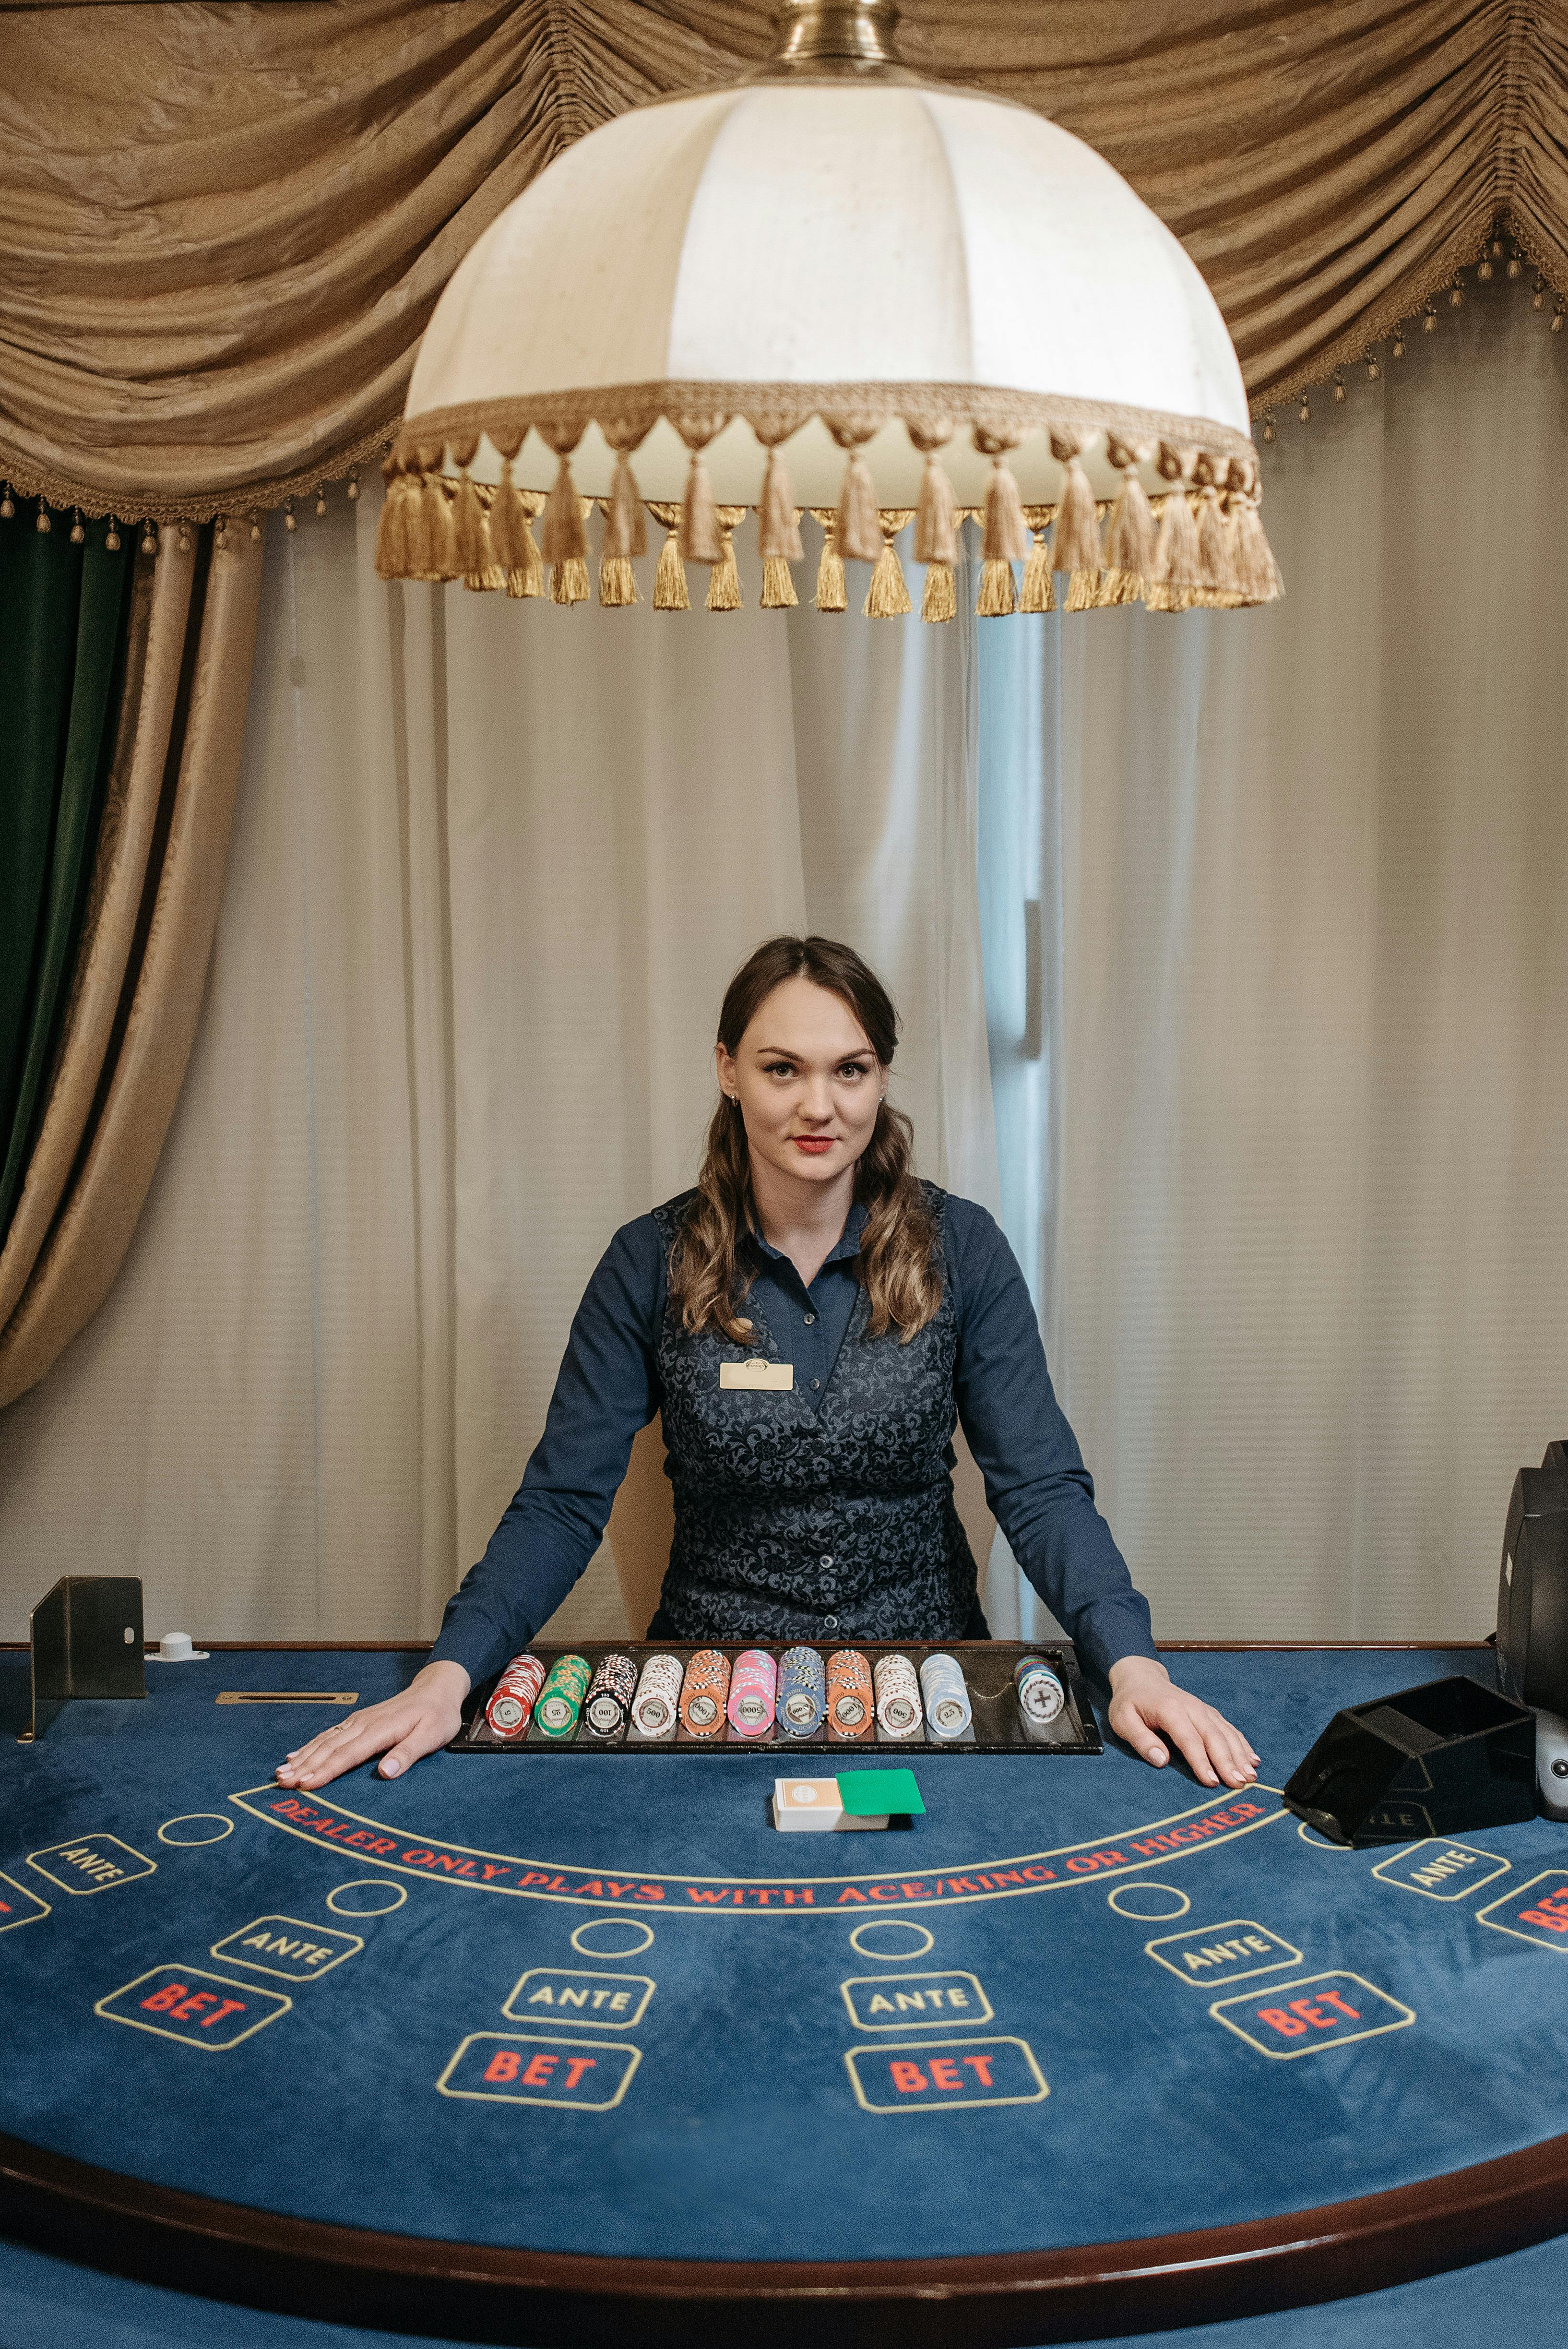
[{"x": 547, "y": 2051}]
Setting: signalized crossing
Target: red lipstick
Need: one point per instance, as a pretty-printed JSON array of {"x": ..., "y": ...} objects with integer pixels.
[{"x": 813, "y": 1143}]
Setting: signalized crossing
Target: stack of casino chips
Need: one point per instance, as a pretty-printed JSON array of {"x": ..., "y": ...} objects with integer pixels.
[
  {"x": 702, "y": 1693},
  {"x": 511, "y": 1708},
  {"x": 656, "y": 1703},
  {"x": 1041, "y": 1697},
  {"x": 560, "y": 1698},
  {"x": 609, "y": 1694},
  {"x": 946, "y": 1699},
  {"x": 898, "y": 1697},
  {"x": 753, "y": 1687},
  {"x": 802, "y": 1692},
  {"x": 851, "y": 1709}
]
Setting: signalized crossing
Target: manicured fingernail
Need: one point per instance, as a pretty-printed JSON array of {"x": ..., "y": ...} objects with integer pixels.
[
  {"x": 1158, "y": 1757},
  {"x": 390, "y": 1767}
]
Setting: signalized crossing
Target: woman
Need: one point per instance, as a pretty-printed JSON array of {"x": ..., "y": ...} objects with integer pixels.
[{"x": 818, "y": 1505}]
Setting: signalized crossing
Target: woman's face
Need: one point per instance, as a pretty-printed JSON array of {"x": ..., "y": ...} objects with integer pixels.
[{"x": 808, "y": 1082}]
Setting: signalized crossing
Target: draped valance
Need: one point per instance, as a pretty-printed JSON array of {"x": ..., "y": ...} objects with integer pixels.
[{"x": 227, "y": 227}]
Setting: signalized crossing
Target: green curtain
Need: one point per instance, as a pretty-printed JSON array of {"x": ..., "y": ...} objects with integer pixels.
[{"x": 64, "y": 616}]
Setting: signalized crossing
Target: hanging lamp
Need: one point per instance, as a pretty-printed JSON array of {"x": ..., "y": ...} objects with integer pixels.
[{"x": 839, "y": 286}]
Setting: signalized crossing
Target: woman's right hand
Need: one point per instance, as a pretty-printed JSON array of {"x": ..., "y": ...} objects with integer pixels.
[{"x": 428, "y": 1715}]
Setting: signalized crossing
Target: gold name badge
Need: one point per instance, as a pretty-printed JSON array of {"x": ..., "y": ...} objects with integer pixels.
[{"x": 778, "y": 1376}]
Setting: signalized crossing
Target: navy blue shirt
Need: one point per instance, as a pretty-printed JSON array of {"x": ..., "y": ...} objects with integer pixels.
[{"x": 1039, "y": 1491}]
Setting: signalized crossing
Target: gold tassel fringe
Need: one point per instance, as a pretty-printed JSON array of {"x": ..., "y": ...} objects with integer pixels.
[
  {"x": 1004, "y": 537},
  {"x": 1176, "y": 567},
  {"x": 1129, "y": 543},
  {"x": 670, "y": 580},
  {"x": 831, "y": 595},
  {"x": 887, "y": 598},
  {"x": 701, "y": 538},
  {"x": 724, "y": 584},
  {"x": 569, "y": 579},
  {"x": 940, "y": 600},
  {"x": 564, "y": 538},
  {"x": 1077, "y": 542},
  {"x": 471, "y": 530},
  {"x": 626, "y": 523},
  {"x": 393, "y": 560},
  {"x": 617, "y": 581},
  {"x": 778, "y": 585},
  {"x": 1257, "y": 572},
  {"x": 1039, "y": 593},
  {"x": 778, "y": 518},
  {"x": 857, "y": 531},
  {"x": 512, "y": 536},
  {"x": 935, "y": 517},
  {"x": 996, "y": 598}
]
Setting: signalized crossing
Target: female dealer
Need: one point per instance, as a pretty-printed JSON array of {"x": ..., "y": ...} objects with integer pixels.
[{"x": 819, "y": 1507}]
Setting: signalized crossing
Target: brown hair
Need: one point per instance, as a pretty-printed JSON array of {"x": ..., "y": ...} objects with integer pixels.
[{"x": 708, "y": 1283}]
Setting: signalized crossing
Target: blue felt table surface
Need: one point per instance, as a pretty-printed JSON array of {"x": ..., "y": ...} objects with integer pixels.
[{"x": 740, "y": 2134}]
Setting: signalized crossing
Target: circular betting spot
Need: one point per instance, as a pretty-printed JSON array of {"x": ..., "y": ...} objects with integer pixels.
[
  {"x": 912, "y": 1941},
  {"x": 589, "y": 1939},
  {"x": 1149, "y": 1903},
  {"x": 1318, "y": 1842},
  {"x": 367, "y": 1895},
  {"x": 195, "y": 1828}
]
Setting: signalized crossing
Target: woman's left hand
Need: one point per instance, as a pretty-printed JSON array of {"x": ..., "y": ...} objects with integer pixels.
[{"x": 1147, "y": 1708}]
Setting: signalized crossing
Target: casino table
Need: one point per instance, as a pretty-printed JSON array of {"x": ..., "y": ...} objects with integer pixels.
[{"x": 553, "y": 2049}]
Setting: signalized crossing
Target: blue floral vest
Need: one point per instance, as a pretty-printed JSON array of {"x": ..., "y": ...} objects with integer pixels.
[{"x": 786, "y": 1515}]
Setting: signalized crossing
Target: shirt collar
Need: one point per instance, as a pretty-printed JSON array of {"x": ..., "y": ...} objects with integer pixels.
[{"x": 849, "y": 1245}]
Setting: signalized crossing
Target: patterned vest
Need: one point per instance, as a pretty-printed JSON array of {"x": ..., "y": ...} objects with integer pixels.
[{"x": 787, "y": 1515}]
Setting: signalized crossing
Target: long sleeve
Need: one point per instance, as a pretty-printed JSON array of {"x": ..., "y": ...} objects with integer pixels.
[
  {"x": 606, "y": 1390},
  {"x": 1040, "y": 1492}
]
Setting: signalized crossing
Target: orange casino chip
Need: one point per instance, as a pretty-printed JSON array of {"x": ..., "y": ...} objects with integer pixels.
[
  {"x": 702, "y": 1693},
  {"x": 851, "y": 1705}
]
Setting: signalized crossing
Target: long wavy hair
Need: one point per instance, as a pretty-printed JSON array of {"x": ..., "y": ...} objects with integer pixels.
[{"x": 708, "y": 1278}]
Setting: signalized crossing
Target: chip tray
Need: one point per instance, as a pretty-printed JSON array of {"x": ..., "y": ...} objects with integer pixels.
[{"x": 987, "y": 1666}]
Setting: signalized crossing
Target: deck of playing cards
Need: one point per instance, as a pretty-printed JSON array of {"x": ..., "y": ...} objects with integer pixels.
[{"x": 827, "y": 1806}]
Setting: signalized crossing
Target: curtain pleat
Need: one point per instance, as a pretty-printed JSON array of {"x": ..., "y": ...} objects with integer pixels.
[{"x": 150, "y": 910}]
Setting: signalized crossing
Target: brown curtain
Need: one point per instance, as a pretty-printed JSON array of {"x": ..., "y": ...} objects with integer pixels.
[
  {"x": 142, "y": 965},
  {"x": 227, "y": 227}
]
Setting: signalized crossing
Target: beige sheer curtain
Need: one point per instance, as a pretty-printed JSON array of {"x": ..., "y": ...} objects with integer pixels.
[
  {"x": 491, "y": 870},
  {"x": 1292, "y": 1154},
  {"x": 137, "y": 986},
  {"x": 227, "y": 228}
]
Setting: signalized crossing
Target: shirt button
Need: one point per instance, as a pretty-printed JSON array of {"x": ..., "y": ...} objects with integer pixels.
[
  {"x": 809, "y": 1319},
  {"x": 816, "y": 1382}
]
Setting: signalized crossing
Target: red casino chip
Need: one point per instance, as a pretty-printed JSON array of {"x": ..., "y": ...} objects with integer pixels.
[{"x": 511, "y": 1707}]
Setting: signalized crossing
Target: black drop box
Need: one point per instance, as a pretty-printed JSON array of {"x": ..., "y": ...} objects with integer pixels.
[{"x": 1442, "y": 1759}]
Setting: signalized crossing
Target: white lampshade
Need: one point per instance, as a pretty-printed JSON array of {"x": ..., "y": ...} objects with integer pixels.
[{"x": 824, "y": 261}]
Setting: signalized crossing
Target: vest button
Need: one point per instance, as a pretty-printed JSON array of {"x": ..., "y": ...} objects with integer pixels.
[
  {"x": 824, "y": 1561},
  {"x": 829, "y": 1622}
]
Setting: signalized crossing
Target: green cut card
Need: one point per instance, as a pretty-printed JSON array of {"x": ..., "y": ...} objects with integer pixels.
[{"x": 868, "y": 1793}]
